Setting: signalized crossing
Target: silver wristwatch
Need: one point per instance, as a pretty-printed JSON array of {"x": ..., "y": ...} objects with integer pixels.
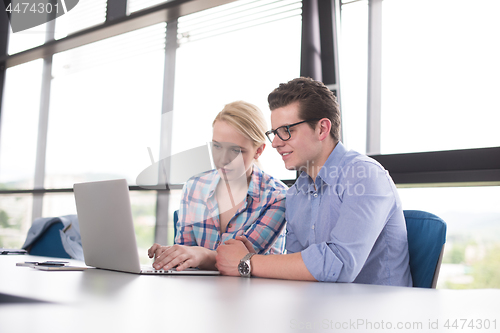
[{"x": 244, "y": 267}]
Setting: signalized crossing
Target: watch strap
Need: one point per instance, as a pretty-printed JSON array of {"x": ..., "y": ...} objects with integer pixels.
[
  {"x": 246, "y": 261},
  {"x": 248, "y": 256}
]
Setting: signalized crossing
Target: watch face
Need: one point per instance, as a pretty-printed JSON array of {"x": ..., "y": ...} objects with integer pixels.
[{"x": 243, "y": 269}]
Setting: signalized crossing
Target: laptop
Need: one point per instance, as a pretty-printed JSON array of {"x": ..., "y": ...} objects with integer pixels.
[{"x": 107, "y": 229}]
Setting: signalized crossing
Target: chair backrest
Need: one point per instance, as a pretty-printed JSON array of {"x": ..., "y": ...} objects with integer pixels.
[
  {"x": 426, "y": 239},
  {"x": 176, "y": 218},
  {"x": 49, "y": 243}
]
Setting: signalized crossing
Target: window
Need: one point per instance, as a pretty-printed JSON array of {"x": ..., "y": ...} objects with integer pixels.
[
  {"x": 15, "y": 219},
  {"x": 144, "y": 215},
  {"x": 105, "y": 108},
  {"x": 26, "y": 39},
  {"x": 439, "y": 75},
  {"x": 19, "y": 125},
  {"x": 353, "y": 56},
  {"x": 240, "y": 51},
  {"x": 85, "y": 14}
]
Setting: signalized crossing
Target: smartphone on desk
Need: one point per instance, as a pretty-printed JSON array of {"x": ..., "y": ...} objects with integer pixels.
[
  {"x": 60, "y": 268},
  {"x": 12, "y": 251},
  {"x": 51, "y": 263}
]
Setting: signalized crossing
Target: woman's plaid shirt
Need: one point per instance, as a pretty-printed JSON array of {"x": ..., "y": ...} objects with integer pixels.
[{"x": 261, "y": 218}]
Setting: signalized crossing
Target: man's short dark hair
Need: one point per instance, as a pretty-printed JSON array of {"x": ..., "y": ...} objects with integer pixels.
[{"x": 315, "y": 101}]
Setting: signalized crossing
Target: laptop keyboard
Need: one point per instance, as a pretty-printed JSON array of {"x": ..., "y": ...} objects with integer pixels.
[{"x": 151, "y": 269}]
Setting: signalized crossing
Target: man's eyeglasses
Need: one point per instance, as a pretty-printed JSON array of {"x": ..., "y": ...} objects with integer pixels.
[{"x": 283, "y": 132}]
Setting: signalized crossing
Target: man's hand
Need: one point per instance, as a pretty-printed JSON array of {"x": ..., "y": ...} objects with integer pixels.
[
  {"x": 229, "y": 255},
  {"x": 182, "y": 256}
]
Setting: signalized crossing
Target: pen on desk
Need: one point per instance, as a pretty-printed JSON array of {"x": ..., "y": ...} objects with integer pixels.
[
  {"x": 26, "y": 263},
  {"x": 13, "y": 251}
]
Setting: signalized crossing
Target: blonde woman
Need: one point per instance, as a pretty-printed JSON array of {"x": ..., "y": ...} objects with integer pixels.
[{"x": 236, "y": 199}]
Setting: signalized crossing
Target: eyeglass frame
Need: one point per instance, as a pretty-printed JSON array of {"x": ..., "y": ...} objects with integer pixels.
[{"x": 275, "y": 132}]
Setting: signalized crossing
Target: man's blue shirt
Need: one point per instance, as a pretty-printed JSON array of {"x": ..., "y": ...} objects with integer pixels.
[{"x": 349, "y": 224}]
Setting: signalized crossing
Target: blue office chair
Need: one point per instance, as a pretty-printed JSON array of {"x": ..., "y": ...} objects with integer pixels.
[
  {"x": 55, "y": 237},
  {"x": 426, "y": 239},
  {"x": 176, "y": 218},
  {"x": 49, "y": 243}
]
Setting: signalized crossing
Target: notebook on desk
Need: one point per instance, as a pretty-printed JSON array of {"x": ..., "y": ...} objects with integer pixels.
[{"x": 107, "y": 229}]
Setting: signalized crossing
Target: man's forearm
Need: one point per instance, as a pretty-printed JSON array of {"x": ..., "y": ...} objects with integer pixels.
[{"x": 281, "y": 266}]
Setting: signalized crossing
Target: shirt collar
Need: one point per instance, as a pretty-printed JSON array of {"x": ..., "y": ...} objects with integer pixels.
[
  {"x": 305, "y": 184},
  {"x": 332, "y": 164},
  {"x": 255, "y": 181},
  {"x": 213, "y": 184}
]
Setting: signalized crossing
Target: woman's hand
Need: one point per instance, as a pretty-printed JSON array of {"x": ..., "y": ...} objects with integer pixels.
[
  {"x": 247, "y": 243},
  {"x": 182, "y": 257},
  {"x": 156, "y": 250}
]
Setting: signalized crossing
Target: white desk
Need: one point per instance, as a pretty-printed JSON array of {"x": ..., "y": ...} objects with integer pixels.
[{"x": 106, "y": 301}]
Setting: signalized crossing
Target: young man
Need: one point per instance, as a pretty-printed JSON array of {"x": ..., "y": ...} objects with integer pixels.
[{"x": 344, "y": 217}]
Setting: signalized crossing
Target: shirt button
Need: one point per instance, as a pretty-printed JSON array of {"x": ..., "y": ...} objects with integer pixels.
[{"x": 313, "y": 227}]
